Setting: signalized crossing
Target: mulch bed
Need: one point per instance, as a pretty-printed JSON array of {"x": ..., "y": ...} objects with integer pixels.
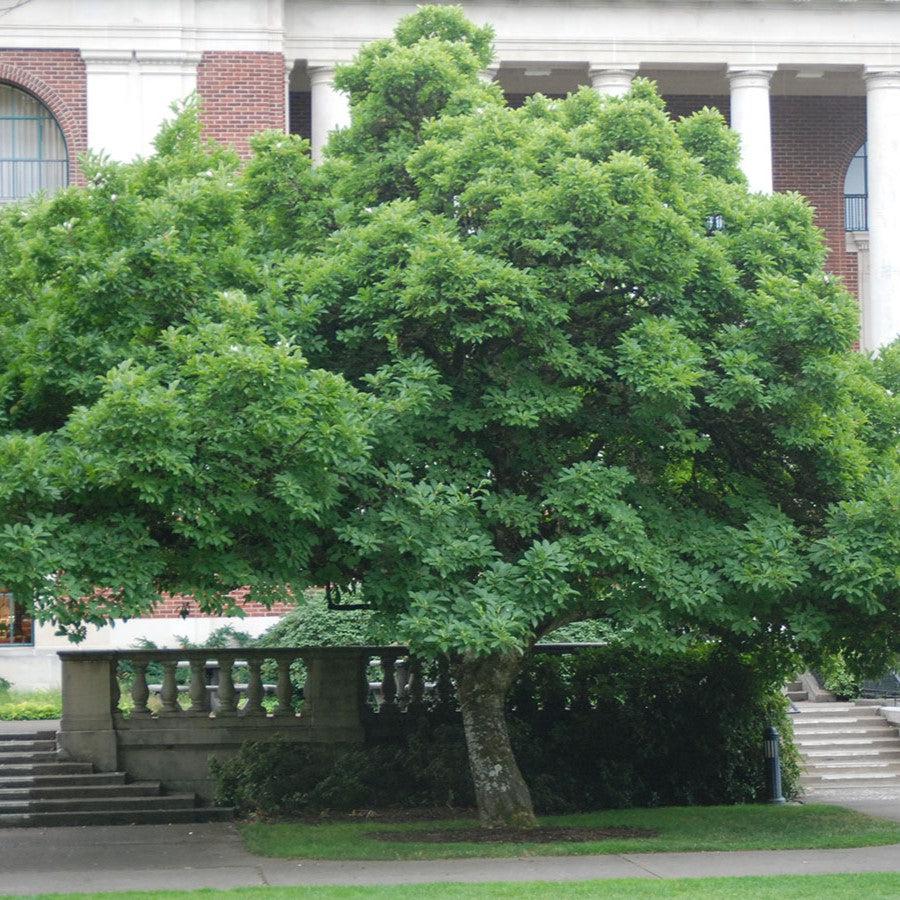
[
  {"x": 547, "y": 834},
  {"x": 398, "y": 816}
]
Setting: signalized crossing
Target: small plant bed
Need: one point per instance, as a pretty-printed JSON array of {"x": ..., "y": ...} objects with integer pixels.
[
  {"x": 684, "y": 828},
  {"x": 547, "y": 834}
]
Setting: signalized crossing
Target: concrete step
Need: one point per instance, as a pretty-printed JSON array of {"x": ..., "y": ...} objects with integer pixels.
[
  {"x": 877, "y": 739},
  {"x": 815, "y": 731},
  {"x": 836, "y": 742},
  {"x": 838, "y": 721},
  {"x": 36, "y": 756},
  {"x": 62, "y": 792},
  {"x": 797, "y": 696},
  {"x": 855, "y": 762},
  {"x": 847, "y": 777},
  {"x": 49, "y": 768},
  {"x": 116, "y": 817},
  {"x": 25, "y": 746},
  {"x": 838, "y": 753},
  {"x": 27, "y": 735},
  {"x": 99, "y": 804},
  {"x": 854, "y": 772},
  {"x": 83, "y": 778}
]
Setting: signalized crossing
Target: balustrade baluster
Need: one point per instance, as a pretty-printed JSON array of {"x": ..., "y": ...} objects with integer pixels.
[
  {"x": 254, "y": 705},
  {"x": 228, "y": 699},
  {"x": 169, "y": 693},
  {"x": 401, "y": 668},
  {"x": 198, "y": 692},
  {"x": 284, "y": 690},
  {"x": 388, "y": 683},
  {"x": 140, "y": 693},
  {"x": 416, "y": 684}
]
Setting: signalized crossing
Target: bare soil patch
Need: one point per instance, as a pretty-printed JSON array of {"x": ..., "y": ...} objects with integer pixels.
[
  {"x": 548, "y": 834},
  {"x": 398, "y": 816}
]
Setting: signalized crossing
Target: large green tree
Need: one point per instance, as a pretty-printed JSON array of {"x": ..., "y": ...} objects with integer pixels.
[{"x": 507, "y": 368}]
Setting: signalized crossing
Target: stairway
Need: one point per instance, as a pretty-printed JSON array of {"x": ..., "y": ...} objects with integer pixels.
[
  {"x": 796, "y": 692},
  {"x": 846, "y": 747},
  {"x": 40, "y": 787}
]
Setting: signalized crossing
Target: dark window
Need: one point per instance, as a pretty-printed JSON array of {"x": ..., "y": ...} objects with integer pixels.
[{"x": 856, "y": 193}]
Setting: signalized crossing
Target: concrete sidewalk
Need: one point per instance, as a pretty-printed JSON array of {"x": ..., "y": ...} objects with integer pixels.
[
  {"x": 880, "y": 802},
  {"x": 173, "y": 857}
]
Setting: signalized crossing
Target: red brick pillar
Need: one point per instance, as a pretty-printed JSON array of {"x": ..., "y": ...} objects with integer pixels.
[{"x": 243, "y": 92}]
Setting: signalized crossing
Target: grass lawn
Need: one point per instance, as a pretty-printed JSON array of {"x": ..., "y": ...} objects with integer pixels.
[
  {"x": 680, "y": 828},
  {"x": 875, "y": 886}
]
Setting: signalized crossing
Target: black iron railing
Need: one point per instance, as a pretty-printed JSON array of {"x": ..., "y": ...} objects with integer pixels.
[{"x": 856, "y": 212}]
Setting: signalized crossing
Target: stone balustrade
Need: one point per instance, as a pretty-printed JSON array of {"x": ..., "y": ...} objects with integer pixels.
[
  {"x": 199, "y": 708},
  {"x": 160, "y": 715}
]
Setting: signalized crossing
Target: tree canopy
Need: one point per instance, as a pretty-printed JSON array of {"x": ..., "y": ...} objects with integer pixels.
[{"x": 507, "y": 368}]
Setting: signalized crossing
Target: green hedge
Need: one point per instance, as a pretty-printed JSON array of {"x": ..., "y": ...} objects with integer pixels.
[
  {"x": 25, "y": 705},
  {"x": 313, "y": 624},
  {"x": 616, "y": 727},
  {"x": 598, "y": 729}
]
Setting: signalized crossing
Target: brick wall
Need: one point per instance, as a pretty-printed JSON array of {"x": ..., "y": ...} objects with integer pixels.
[
  {"x": 59, "y": 80},
  {"x": 813, "y": 141},
  {"x": 172, "y": 606},
  {"x": 242, "y": 93}
]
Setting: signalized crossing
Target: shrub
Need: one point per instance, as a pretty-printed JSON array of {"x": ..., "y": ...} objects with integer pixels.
[
  {"x": 219, "y": 639},
  {"x": 615, "y": 727},
  {"x": 24, "y": 705},
  {"x": 836, "y": 677},
  {"x": 313, "y": 624},
  {"x": 607, "y": 727},
  {"x": 428, "y": 768},
  {"x": 4, "y": 686}
]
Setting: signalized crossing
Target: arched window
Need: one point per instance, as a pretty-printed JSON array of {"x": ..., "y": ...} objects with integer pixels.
[
  {"x": 856, "y": 193},
  {"x": 33, "y": 153}
]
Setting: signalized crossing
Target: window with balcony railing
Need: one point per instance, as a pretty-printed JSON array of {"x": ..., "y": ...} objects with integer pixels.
[
  {"x": 856, "y": 193},
  {"x": 33, "y": 153}
]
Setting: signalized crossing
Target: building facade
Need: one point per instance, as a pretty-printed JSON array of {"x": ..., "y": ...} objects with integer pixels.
[{"x": 811, "y": 86}]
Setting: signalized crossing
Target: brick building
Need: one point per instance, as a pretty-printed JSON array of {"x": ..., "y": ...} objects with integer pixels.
[{"x": 812, "y": 86}]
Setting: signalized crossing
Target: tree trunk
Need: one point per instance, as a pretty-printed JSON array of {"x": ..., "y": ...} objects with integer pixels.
[{"x": 502, "y": 795}]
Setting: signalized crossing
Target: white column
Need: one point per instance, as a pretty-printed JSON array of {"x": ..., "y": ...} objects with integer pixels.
[
  {"x": 165, "y": 77},
  {"x": 288, "y": 69},
  {"x": 113, "y": 103},
  {"x": 882, "y": 318},
  {"x": 129, "y": 94},
  {"x": 330, "y": 108},
  {"x": 751, "y": 119},
  {"x": 612, "y": 80}
]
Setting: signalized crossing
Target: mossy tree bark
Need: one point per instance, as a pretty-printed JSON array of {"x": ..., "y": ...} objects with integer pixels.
[{"x": 501, "y": 793}]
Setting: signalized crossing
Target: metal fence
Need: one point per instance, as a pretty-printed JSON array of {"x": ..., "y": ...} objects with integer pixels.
[{"x": 855, "y": 212}]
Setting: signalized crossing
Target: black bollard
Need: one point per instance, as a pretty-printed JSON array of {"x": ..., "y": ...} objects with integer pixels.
[{"x": 773, "y": 765}]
